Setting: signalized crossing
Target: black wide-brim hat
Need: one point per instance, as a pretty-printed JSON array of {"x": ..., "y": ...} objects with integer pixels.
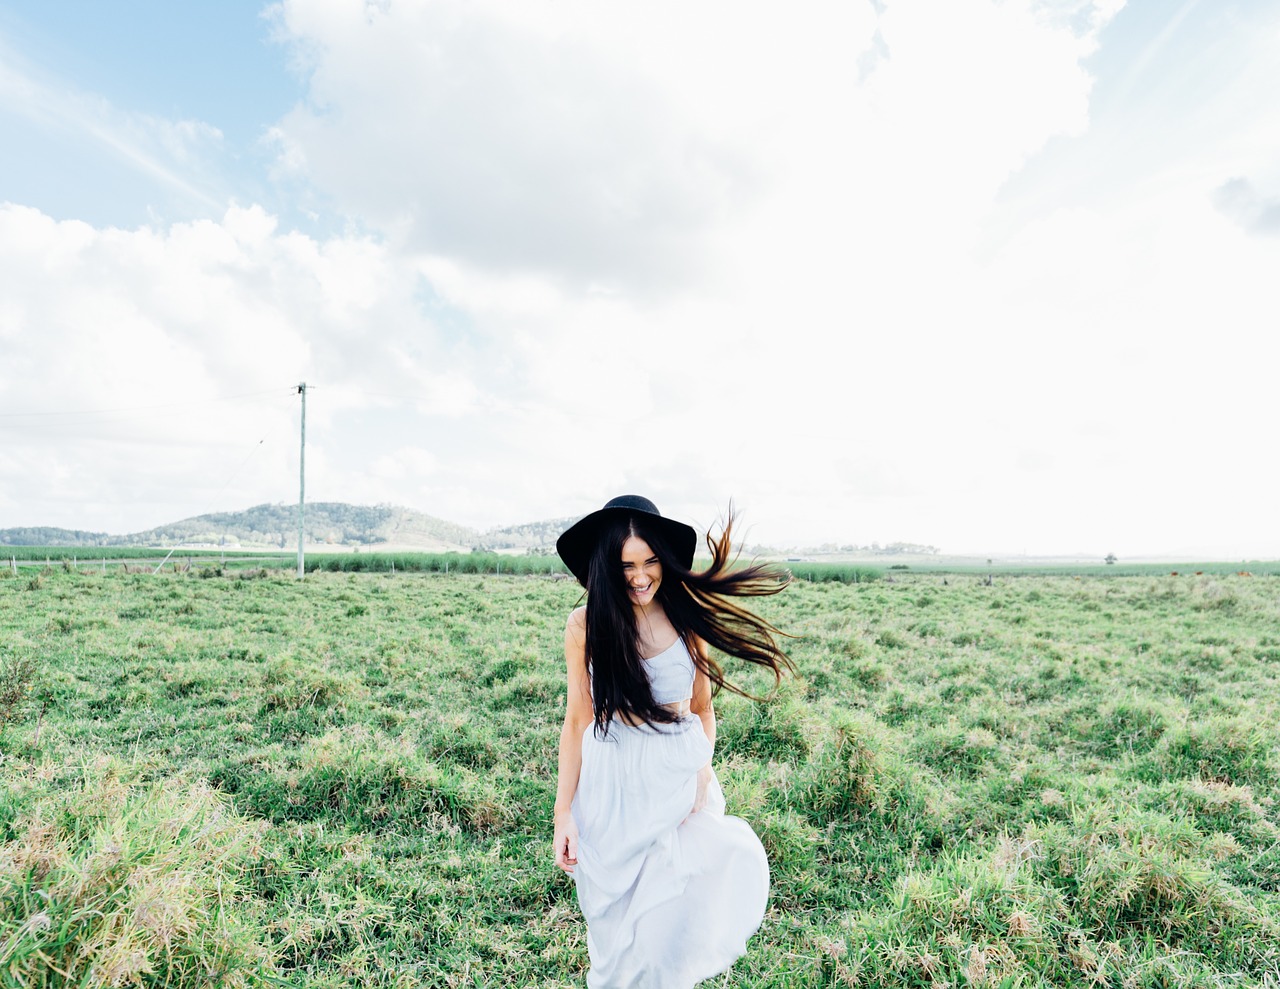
[{"x": 577, "y": 542}]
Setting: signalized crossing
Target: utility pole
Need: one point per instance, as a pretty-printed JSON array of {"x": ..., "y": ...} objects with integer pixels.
[{"x": 302, "y": 479}]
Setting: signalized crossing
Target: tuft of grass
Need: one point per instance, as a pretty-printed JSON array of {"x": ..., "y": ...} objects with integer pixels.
[
  {"x": 777, "y": 731},
  {"x": 889, "y": 638},
  {"x": 1122, "y": 868},
  {"x": 19, "y": 676},
  {"x": 290, "y": 685},
  {"x": 113, "y": 882},
  {"x": 367, "y": 780},
  {"x": 1127, "y": 726},
  {"x": 1235, "y": 750}
]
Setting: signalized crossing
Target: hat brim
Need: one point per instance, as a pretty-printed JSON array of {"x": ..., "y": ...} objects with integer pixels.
[{"x": 577, "y": 542}]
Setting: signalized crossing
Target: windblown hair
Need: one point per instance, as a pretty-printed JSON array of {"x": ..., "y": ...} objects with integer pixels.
[{"x": 698, "y": 603}]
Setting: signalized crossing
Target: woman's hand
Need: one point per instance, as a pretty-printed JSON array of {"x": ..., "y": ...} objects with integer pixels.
[
  {"x": 566, "y": 841},
  {"x": 704, "y": 780}
]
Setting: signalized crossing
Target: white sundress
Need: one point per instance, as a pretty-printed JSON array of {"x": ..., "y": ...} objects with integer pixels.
[{"x": 670, "y": 897}]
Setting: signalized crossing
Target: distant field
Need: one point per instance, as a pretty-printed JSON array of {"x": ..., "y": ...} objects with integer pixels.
[
  {"x": 209, "y": 559},
  {"x": 1192, "y": 569},
  {"x": 465, "y": 563},
  {"x": 56, "y": 554},
  {"x": 815, "y": 571},
  {"x": 251, "y": 780},
  {"x": 365, "y": 562}
]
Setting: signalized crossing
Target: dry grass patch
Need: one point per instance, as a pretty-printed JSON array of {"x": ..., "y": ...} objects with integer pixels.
[{"x": 113, "y": 882}]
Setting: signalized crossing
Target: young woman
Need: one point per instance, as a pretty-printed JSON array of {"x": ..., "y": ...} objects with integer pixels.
[{"x": 671, "y": 888}]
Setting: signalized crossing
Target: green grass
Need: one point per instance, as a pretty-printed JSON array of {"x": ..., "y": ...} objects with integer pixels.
[
  {"x": 457, "y": 563},
  {"x": 841, "y": 573},
  {"x": 66, "y": 557},
  {"x": 56, "y": 554},
  {"x": 1259, "y": 568},
  {"x": 1045, "y": 781}
]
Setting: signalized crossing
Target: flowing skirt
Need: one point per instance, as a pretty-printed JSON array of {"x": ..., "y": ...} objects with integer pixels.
[{"x": 670, "y": 897}]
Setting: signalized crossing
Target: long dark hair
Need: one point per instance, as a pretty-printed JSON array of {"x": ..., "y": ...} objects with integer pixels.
[{"x": 697, "y": 603}]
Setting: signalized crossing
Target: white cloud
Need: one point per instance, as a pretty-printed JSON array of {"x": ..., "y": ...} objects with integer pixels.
[
  {"x": 463, "y": 130},
  {"x": 406, "y": 462},
  {"x": 150, "y": 331},
  {"x": 699, "y": 253},
  {"x": 1257, "y": 213}
]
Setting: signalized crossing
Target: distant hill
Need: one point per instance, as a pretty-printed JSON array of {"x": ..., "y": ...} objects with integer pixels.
[
  {"x": 531, "y": 537},
  {"x": 44, "y": 535},
  {"x": 327, "y": 523},
  {"x": 338, "y": 524}
]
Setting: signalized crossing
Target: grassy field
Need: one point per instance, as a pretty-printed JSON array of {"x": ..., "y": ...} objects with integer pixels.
[
  {"x": 446, "y": 563},
  {"x": 249, "y": 780},
  {"x": 213, "y": 562},
  {"x": 86, "y": 554},
  {"x": 1215, "y": 568},
  {"x": 410, "y": 561}
]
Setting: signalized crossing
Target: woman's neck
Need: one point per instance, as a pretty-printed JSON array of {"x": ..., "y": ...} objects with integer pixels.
[{"x": 646, "y": 613}]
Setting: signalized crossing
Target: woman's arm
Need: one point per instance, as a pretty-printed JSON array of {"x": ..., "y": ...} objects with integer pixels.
[
  {"x": 577, "y": 716},
  {"x": 700, "y": 704}
]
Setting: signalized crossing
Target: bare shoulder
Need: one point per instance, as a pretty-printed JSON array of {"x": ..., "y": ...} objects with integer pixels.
[
  {"x": 575, "y": 642},
  {"x": 575, "y": 629}
]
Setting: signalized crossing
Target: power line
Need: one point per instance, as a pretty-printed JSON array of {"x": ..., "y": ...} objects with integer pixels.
[
  {"x": 146, "y": 408},
  {"x": 104, "y": 420},
  {"x": 236, "y": 473}
]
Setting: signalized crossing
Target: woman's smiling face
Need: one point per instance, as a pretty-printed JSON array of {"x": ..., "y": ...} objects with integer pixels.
[{"x": 641, "y": 570}]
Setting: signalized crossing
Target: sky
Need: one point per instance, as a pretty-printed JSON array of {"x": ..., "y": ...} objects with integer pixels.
[{"x": 997, "y": 277}]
